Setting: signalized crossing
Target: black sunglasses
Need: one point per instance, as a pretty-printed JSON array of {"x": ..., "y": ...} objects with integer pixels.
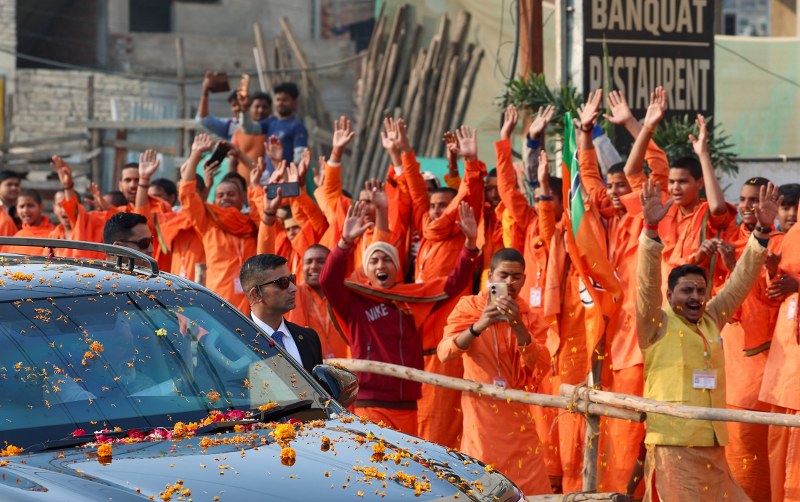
[
  {"x": 143, "y": 243},
  {"x": 281, "y": 282}
]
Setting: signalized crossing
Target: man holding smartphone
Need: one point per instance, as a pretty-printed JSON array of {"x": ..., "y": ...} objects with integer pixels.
[{"x": 501, "y": 342}]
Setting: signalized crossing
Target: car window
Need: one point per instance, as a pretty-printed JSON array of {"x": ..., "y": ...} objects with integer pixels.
[{"x": 133, "y": 360}]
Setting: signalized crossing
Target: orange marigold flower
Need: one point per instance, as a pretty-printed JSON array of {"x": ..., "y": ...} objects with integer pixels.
[
  {"x": 288, "y": 456},
  {"x": 11, "y": 451},
  {"x": 179, "y": 429},
  {"x": 268, "y": 406},
  {"x": 284, "y": 433},
  {"x": 96, "y": 346},
  {"x": 104, "y": 450}
]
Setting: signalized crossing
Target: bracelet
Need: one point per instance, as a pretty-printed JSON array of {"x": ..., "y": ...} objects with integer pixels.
[
  {"x": 472, "y": 331},
  {"x": 143, "y": 185},
  {"x": 651, "y": 227},
  {"x": 587, "y": 130},
  {"x": 69, "y": 187},
  {"x": 650, "y": 130},
  {"x": 545, "y": 197},
  {"x": 763, "y": 230}
]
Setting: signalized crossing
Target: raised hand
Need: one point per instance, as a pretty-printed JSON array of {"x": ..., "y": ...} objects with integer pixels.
[
  {"x": 657, "y": 108},
  {"x": 271, "y": 207},
  {"x": 467, "y": 142},
  {"x": 274, "y": 148},
  {"x": 376, "y": 193},
  {"x": 589, "y": 111},
  {"x": 279, "y": 174},
  {"x": 768, "y": 204},
  {"x": 148, "y": 164},
  {"x": 201, "y": 144},
  {"x": 618, "y": 106},
  {"x": 319, "y": 171},
  {"x": 304, "y": 166},
  {"x": 97, "y": 196},
  {"x": 700, "y": 142},
  {"x": 64, "y": 171},
  {"x": 401, "y": 133},
  {"x": 539, "y": 124},
  {"x": 727, "y": 252},
  {"x": 355, "y": 224},
  {"x": 243, "y": 93},
  {"x": 292, "y": 173},
  {"x": 653, "y": 210},
  {"x": 257, "y": 172},
  {"x": 389, "y": 136},
  {"x": 468, "y": 225},
  {"x": 209, "y": 171},
  {"x": 342, "y": 133},
  {"x": 510, "y": 119},
  {"x": 706, "y": 250}
]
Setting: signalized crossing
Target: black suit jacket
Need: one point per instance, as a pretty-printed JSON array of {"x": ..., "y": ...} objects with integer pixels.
[{"x": 308, "y": 344}]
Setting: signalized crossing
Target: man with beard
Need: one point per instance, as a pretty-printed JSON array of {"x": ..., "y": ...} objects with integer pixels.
[
  {"x": 312, "y": 310},
  {"x": 683, "y": 357}
]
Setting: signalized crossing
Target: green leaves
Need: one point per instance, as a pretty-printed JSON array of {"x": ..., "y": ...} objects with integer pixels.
[
  {"x": 533, "y": 93},
  {"x": 673, "y": 136}
]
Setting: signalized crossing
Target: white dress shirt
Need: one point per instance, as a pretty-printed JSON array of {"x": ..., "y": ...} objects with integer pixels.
[{"x": 288, "y": 339}]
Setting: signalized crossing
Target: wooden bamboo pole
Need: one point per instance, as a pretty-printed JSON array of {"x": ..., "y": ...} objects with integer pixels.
[
  {"x": 482, "y": 389},
  {"x": 465, "y": 91},
  {"x": 262, "y": 56},
  {"x": 681, "y": 411}
]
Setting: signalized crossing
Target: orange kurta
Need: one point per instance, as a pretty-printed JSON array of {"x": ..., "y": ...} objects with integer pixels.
[
  {"x": 185, "y": 246},
  {"x": 312, "y": 311},
  {"x": 87, "y": 226},
  {"x": 40, "y": 231},
  {"x": 7, "y": 226},
  {"x": 499, "y": 432},
  {"x": 780, "y": 386},
  {"x": 441, "y": 244},
  {"x": 251, "y": 145},
  {"x": 229, "y": 239}
]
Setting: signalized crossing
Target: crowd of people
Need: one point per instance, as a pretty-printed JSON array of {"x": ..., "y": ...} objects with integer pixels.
[{"x": 479, "y": 276}]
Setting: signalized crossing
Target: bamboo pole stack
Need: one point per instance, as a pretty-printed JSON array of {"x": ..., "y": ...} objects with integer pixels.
[{"x": 429, "y": 87}]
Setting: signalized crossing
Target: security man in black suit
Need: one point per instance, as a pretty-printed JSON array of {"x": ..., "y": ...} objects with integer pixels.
[{"x": 271, "y": 290}]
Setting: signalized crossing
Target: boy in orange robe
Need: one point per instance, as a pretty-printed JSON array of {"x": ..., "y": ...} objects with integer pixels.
[
  {"x": 229, "y": 237},
  {"x": 434, "y": 217},
  {"x": 9, "y": 191},
  {"x": 30, "y": 211},
  {"x": 501, "y": 342},
  {"x": 312, "y": 308},
  {"x": 780, "y": 386},
  {"x": 188, "y": 256}
]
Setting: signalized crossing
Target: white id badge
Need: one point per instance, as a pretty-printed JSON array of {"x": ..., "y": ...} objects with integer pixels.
[
  {"x": 237, "y": 286},
  {"x": 791, "y": 310},
  {"x": 704, "y": 379},
  {"x": 500, "y": 382},
  {"x": 536, "y": 297}
]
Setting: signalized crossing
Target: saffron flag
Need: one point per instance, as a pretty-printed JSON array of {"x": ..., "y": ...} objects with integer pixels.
[{"x": 586, "y": 245}]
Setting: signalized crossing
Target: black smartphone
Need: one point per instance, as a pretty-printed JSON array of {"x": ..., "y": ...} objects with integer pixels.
[
  {"x": 219, "y": 153},
  {"x": 291, "y": 189}
]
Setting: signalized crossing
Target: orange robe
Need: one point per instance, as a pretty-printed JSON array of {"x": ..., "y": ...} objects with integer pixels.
[
  {"x": 747, "y": 337},
  {"x": 251, "y": 145},
  {"x": 620, "y": 440},
  {"x": 185, "y": 246},
  {"x": 7, "y": 226},
  {"x": 441, "y": 244},
  {"x": 87, "y": 226},
  {"x": 524, "y": 236},
  {"x": 497, "y": 432},
  {"x": 40, "y": 231},
  {"x": 229, "y": 239},
  {"x": 312, "y": 311},
  {"x": 780, "y": 386}
]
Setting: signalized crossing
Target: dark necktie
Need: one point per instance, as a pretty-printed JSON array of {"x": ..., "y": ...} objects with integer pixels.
[{"x": 278, "y": 337}]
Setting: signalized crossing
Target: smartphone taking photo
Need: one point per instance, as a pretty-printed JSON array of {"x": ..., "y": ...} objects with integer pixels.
[{"x": 290, "y": 189}]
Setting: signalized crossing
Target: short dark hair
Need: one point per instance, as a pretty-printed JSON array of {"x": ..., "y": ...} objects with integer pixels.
[
  {"x": 757, "y": 181},
  {"x": 618, "y": 168},
  {"x": 33, "y": 194},
  {"x": 233, "y": 96},
  {"x": 684, "y": 270},
  {"x": 507, "y": 254},
  {"x": 557, "y": 187},
  {"x": 691, "y": 164},
  {"x": 317, "y": 246},
  {"x": 446, "y": 190},
  {"x": 492, "y": 173},
  {"x": 236, "y": 178},
  {"x": 117, "y": 198},
  {"x": 118, "y": 227},
  {"x": 169, "y": 186},
  {"x": 253, "y": 269},
  {"x": 790, "y": 192},
  {"x": 261, "y": 95},
  {"x": 289, "y": 88},
  {"x": 130, "y": 165},
  {"x": 7, "y": 174}
]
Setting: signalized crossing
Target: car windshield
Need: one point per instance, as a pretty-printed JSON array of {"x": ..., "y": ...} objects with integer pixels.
[{"x": 134, "y": 360}]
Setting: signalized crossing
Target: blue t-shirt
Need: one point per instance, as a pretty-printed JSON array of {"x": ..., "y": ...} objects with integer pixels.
[{"x": 292, "y": 133}]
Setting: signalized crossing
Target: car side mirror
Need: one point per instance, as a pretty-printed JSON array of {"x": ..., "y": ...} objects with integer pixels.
[{"x": 342, "y": 384}]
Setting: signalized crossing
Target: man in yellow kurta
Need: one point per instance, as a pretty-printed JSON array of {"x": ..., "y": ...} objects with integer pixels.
[{"x": 683, "y": 359}]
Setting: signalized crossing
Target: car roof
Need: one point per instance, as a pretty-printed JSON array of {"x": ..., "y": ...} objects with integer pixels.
[{"x": 36, "y": 277}]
